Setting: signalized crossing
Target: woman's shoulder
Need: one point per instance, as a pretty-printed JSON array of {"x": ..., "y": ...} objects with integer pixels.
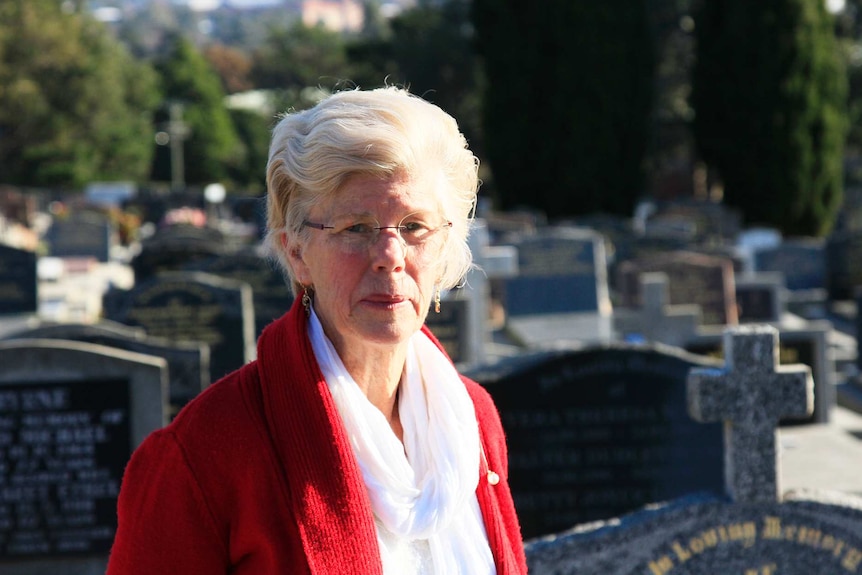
[{"x": 223, "y": 414}]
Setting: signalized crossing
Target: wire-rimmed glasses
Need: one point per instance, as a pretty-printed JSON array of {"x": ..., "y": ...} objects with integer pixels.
[{"x": 422, "y": 231}]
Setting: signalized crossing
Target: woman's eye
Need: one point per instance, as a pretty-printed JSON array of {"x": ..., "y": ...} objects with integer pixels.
[
  {"x": 414, "y": 227},
  {"x": 360, "y": 228}
]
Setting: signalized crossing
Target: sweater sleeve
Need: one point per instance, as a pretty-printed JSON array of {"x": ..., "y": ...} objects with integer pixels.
[{"x": 164, "y": 524}]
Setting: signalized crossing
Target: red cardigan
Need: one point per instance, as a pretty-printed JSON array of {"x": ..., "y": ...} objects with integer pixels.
[{"x": 256, "y": 476}]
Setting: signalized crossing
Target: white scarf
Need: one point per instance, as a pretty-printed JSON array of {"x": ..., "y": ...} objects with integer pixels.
[{"x": 423, "y": 492}]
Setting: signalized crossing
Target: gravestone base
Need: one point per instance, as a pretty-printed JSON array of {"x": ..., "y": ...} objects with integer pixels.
[{"x": 807, "y": 533}]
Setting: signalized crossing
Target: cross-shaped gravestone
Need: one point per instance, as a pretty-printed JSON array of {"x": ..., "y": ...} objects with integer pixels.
[
  {"x": 657, "y": 320},
  {"x": 750, "y": 395}
]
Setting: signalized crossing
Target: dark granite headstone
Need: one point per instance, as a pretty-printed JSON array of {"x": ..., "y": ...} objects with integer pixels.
[
  {"x": 752, "y": 530},
  {"x": 188, "y": 362},
  {"x": 192, "y": 307},
  {"x": 18, "y": 284},
  {"x": 271, "y": 295},
  {"x": 71, "y": 414},
  {"x": 843, "y": 264},
  {"x": 83, "y": 234},
  {"x": 450, "y": 327},
  {"x": 174, "y": 247},
  {"x": 693, "y": 279},
  {"x": 760, "y": 297},
  {"x": 703, "y": 535},
  {"x": 560, "y": 270},
  {"x": 596, "y": 433}
]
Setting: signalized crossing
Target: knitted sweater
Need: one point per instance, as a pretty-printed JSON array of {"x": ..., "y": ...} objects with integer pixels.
[{"x": 256, "y": 476}]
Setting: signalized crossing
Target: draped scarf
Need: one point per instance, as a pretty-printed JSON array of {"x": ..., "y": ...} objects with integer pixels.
[{"x": 422, "y": 492}]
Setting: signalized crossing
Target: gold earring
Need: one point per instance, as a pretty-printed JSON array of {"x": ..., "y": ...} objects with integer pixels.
[
  {"x": 306, "y": 300},
  {"x": 437, "y": 300}
]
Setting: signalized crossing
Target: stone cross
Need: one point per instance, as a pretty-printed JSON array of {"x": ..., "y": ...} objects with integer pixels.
[
  {"x": 750, "y": 395},
  {"x": 658, "y": 320}
]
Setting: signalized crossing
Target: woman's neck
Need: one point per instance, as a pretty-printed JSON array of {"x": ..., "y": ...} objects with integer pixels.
[{"x": 378, "y": 374}]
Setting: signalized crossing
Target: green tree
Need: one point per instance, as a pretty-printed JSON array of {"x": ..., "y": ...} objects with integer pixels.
[
  {"x": 769, "y": 94},
  {"x": 74, "y": 105},
  {"x": 212, "y": 145},
  {"x": 566, "y": 103},
  {"x": 296, "y": 60}
]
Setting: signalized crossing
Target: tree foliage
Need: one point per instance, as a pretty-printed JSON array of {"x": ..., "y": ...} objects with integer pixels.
[
  {"x": 567, "y": 102},
  {"x": 769, "y": 93},
  {"x": 74, "y": 105},
  {"x": 296, "y": 60},
  {"x": 428, "y": 49},
  {"x": 212, "y": 145}
]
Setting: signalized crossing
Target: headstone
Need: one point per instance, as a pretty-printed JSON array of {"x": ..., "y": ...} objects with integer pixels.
[
  {"x": 707, "y": 281},
  {"x": 192, "y": 307},
  {"x": 802, "y": 262},
  {"x": 843, "y": 264},
  {"x": 270, "y": 293},
  {"x": 702, "y": 222},
  {"x": 560, "y": 270},
  {"x": 750, "y": 396},
  {"x": 450, "y": 327},
  {"x": 704, "y": 535},
  {"x": 596, "y": 433},
  {"x": 760, "y": 297},
  {"x": 750, "y": 531},
  {"x": 85, "y": 234},
  {"x": 657, "y": 320},
  {"x": 70, "y": 416},
  {"x": 174, "y": 247},
  {"x": 18, "y": 281},
  {"x": 188, "y": 362},
  {"x": 752, "y": 240},
  {"x": 807, "y": 345}
]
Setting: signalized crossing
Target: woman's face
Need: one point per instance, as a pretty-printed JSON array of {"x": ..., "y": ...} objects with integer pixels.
[{"x": 373, "y": 287}]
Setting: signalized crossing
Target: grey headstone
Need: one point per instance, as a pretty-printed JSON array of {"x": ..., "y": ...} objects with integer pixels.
[
  {"x": 560, "y": 270},
  {"x": 801, "y": 261},
  {"x": 807, "y": 344},
  {"x": 83, "y": 234},
  {"x": 71, "y": 414},
  {"x": 188, "y": 362},
  {"x": 750, "y": 395},
  {"x": 657, "y": 320}
]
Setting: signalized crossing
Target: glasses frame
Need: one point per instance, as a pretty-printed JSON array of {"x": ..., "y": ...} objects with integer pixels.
[{"x": 377, "y": 229}]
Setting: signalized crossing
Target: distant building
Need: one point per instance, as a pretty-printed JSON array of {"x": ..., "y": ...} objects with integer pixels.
[{"x": 336, "y": 15}]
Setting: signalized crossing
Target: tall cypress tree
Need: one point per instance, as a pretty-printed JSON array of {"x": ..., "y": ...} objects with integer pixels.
[
  {"x": 769, "y": 93},
  {"x": 566, "y": 105}
]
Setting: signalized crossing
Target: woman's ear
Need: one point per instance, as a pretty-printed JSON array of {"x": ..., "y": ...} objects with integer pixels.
[{"x": 293, "y": 250}]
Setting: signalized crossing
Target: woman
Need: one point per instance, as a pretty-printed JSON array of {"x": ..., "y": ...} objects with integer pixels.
[{"x": 351, "y": 445}]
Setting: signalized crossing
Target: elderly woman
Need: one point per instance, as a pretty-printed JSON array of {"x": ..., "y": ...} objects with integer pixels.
[{"x": 351, "y": 445}]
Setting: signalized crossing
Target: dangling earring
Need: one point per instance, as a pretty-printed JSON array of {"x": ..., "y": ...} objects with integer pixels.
[
  {"x": 306, "y": 300},
  {"x": 437, "y": 300}
]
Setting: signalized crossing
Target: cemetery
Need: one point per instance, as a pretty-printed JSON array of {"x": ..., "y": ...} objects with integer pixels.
[{"x": 680, "y": 394}]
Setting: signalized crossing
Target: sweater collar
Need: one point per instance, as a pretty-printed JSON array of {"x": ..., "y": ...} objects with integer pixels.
[{"x": 326, "y": 491}]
